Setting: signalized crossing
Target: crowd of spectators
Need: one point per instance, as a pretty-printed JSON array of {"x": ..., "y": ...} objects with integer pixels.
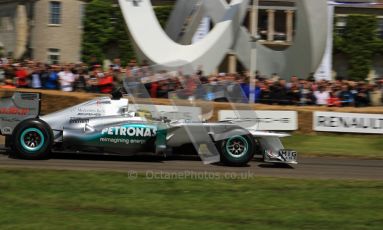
[
  {"x": 97, "y": 78},
  {"x": 65, "y": 77},
  {"x": 337, "y": 93}
]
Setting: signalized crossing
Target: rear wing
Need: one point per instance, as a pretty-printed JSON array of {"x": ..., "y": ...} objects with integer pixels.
[{"x": 17, "y": 107}]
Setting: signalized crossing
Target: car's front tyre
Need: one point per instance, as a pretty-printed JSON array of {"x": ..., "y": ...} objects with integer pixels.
[
  {"x": 237, "y": 150},
  {"x": 32, "y": 139}
]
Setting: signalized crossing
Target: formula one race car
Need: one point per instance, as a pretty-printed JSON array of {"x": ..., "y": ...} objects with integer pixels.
[{"x": 113, "y": 126}]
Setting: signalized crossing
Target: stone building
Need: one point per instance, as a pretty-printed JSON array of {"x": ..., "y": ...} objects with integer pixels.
[
  {"x": 57, "y": 30},
  {"x": 46, "y": 30},
  {"x": 15, "y": 18}
]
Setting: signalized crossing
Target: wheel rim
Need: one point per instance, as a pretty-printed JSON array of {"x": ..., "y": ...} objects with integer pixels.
[
  {"x": 237, "y": 146},
  {"x": 32, "y": 139}
]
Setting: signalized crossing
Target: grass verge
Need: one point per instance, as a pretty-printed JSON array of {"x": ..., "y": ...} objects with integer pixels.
[
  {"x": 368, "y": 146},
  {"x": 40, "y": 199}
]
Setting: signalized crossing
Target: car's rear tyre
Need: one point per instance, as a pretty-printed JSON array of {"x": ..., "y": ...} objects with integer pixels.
[
  {"x": 32, "y": 139},
  {"x": 8, "y": 141},
  {"x": 237, "y": 150}
]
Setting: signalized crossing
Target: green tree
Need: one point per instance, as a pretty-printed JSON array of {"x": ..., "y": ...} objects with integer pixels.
[
  {"x": 359, "y": 42},
  {"x": 105, "y": 32},
  {"x": 163, "y": 13}
]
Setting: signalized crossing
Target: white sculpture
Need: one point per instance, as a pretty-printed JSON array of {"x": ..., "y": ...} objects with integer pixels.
[{"x": 228, "y": 34}]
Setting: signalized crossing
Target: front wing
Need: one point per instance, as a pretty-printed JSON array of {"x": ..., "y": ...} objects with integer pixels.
[{"x": 272, "y": 148}]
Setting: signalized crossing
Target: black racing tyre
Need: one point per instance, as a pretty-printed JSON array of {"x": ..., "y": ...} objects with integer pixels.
[
  {"x": 32, "y": 139},
  {"x": 8, "y": 144},
  {"x": 237, "y": 150},
  {"x": 8, "y": 141}
]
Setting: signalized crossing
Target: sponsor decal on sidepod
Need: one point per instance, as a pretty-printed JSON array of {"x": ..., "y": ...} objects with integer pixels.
[
  {"x": 128, "y": 134},
  {"x": 130, "y": 131}
]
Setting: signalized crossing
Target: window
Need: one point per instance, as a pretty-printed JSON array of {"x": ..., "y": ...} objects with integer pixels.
[
  {"x": 53, "y": 56},
  {"x": 6, "y": 24},
  {"x": 55, "y": 13}
]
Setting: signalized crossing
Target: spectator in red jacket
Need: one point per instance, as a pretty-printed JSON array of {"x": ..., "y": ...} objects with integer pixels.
[
  {"x": 333, "y": 100},
  {"x": 21, "y": 75}
]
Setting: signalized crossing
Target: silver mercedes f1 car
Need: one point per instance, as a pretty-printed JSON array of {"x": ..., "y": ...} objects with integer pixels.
[{"x": 113, "y": 126}]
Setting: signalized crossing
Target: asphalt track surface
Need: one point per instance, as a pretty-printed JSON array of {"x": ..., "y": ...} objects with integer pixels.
[{"x": 192, "y": 166}]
